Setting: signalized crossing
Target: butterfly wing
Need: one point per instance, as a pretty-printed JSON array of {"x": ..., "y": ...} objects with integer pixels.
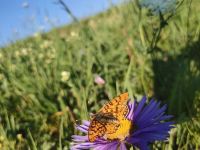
[
  {"x": 105, "y": 121},
  {"x": 117, "y": 106},
  {"x": 96, "y": 129},
  {"x": 101, "y": 124}
]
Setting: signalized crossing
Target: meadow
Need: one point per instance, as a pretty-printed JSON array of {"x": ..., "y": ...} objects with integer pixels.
[{"x": 47, "y": 82}]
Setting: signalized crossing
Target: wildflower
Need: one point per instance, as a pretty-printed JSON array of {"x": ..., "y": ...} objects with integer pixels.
[
  {"x": 24, "y": 51},
  {"x": 73, "y": 34},
  {"x": 46, "y": 44},
  {"x": 2, "y": 138},
  {"x": 99, "y": 80},
  {"x": 65, "y": 76},
  {"x": 20, "y": 137},
  {"x": 147, "y": 125},
  {"x": 157, "y": 6}
]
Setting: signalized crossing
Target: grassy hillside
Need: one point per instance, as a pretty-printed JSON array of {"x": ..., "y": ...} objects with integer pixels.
[{"x": 47, "y": 81}]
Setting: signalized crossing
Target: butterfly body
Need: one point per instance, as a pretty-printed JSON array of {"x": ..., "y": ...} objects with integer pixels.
[
  {"x": 107, "y": 120},
  {"x": 105, "y": 117}
]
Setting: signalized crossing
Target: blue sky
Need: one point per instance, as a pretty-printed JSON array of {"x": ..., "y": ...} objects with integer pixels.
[{"x": 21, "y": 18}]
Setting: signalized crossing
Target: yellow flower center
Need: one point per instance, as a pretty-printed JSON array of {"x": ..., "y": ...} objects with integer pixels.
[{"x": 122, "y": 132}]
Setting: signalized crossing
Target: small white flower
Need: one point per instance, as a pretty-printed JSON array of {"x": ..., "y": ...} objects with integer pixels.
[
  {"x": 65, "y": 76},
  {"x": 45, "y": 44},
  {"x": 1, "y": 138},
  {"x": 24, "y": 51},
  {"x": 73, "y": 34}
]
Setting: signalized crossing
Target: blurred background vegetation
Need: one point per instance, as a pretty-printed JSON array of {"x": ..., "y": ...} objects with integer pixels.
[{"x": 47, "y": 82}]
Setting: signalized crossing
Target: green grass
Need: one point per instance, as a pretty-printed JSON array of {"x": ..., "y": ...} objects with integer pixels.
[{"x": 38, "y": 106}]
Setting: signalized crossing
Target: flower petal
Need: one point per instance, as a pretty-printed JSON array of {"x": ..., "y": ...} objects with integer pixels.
[
  {"x": 139, "y": 108},
  {"x": 122, "y": 146},
  {"x": 82, "y": 128},
  {"x": 131, "y": 106},
  {"x": 148, "y": 123},
  {"x": 79, "y": 138}
]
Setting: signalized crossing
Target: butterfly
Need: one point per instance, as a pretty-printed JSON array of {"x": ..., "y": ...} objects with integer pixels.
[{"x": 107, "y": 119}]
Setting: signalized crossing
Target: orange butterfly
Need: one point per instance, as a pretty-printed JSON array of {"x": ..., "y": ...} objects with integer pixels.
[{"x": 107, "y": 120}]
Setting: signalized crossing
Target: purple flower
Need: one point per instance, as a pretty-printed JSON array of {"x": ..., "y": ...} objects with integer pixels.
[{"x": 148, "y": 125}]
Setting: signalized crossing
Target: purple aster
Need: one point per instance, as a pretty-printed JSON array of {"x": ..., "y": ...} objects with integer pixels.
[{"x": 148, "y": 125}]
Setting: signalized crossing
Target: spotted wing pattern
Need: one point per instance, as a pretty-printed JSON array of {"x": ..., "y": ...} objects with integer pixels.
[
  {"x": 117, "y": 106},
  {"x": 96, "y": 129},
  {"x": 106, "y": 121}
]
